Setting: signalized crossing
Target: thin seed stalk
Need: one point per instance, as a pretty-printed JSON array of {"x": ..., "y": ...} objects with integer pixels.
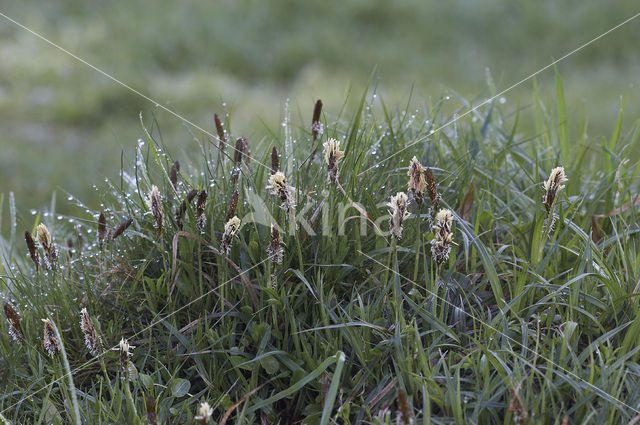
[
  {"x": 67, "y": 368},
  {"x": 418, "y": 246}
]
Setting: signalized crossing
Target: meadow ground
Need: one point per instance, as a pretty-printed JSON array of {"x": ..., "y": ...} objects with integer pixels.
[{"x": 493, "y": 293}]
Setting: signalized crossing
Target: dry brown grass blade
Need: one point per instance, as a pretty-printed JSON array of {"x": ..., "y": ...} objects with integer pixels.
[
  {"x": 621, "y": 209},
  {"x": 239, "y": 402},
  {"x": 596, "y": 230},
  {"x": 174, "y": 260},
  {"x": 382, "y": 394},
  {"x": 467, "y": 201},
  {"x": 633, "y": 421},
  {"x": 245, "y": 281}
]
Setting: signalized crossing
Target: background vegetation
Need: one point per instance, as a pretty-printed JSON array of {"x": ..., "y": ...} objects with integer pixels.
[{"x": 195, "y": 55}]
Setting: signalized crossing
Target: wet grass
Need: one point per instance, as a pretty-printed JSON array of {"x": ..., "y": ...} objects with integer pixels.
[{"x": 520, "y": 323}]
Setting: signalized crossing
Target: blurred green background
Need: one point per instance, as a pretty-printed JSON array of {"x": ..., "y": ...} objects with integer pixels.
[{"x": 63, "y": 126}]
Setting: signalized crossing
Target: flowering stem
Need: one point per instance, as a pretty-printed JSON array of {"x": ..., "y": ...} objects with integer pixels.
[{"x": 72, "y": 388}]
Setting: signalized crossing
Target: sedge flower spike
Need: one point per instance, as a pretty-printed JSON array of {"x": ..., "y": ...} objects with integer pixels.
[
  {"x": 50, "y": 341},
  {"x": 15, "y": 330},
  {"x": 231, "y": 227},
  {"x": 275, "y": 250},
  {"x": 417, "y": 184},
  {"x": 553, "y": 186},
  {"x": 398, "y": 211},
  {"x": 125, "y": 355},
  {"x": 332, "y": 155},
  {"x": 204, "y": 413},
  {"x": 91, "y": 338},
  {"x": 441, "y": 244},
  {"x": 155, "y": 205},
  {"x": 44, "y": 239},
  {"x": 280, "y": 188}
]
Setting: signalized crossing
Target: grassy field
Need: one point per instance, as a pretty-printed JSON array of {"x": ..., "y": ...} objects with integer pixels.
[
  {"x": 193, "y": 56},
  {"x": 518, "y": 305},
  {"x": 150, "y": 273}
]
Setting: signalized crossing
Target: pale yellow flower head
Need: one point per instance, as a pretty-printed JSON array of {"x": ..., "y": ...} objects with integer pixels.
[
  {"x": 204, "y": 412},
  {"x": 231, "y": 227},
  {"x": 43, "y": 236},
  {"x": 277, "y": 182},
  {"x": 332, "y": 151}
]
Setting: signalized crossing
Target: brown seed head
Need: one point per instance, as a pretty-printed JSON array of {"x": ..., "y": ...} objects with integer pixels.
[
  {"x": 15, "y": 330},
  {"x": 122, "y": 227},
  {"x": 91, "y": 338},
  {"x": 33, "y": 252},
  {"x": 102, "y": 229},
  {"x": 275, "y": 250},
  {"x": 431, "y": 186},
  {"x": 151, "y": 410},
  {"x": 191, "y": 195},
  {"x": 274, "y": 160},
  {"x": 200, "y": 204},
  {"x": 50, "y": 341},
  {"x": 316, "y": 126},
  {"x": 517, "y": 408},
  {"x": 155, "y": 204},
  {"x": 417, "y": 184},
  {"x": 173, "y": 174},
  {"x": 405, "y": 416},
  {"x": 239, "y": 150},
  {"x": 233, "y": 203},
  {"x": 220, "y": 130}
]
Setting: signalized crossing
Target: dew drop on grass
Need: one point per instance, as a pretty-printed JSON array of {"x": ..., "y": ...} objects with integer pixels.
[
  {"x": 33, "y": 212},
  {"x": 503, "y": 100}
]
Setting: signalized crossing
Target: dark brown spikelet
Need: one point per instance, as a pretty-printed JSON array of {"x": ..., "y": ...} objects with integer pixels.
[
  {"x": 405, "y": 416},
  {"x": 191, "y": 195},
  {"x": 173, "y": 174},
  {"x": 70, "y": 247},
  {"x": 245, "y": 151},
  {"x": 180, "y": 212},
  {"x": 200, "y": 217},
  {"x": 122, "y": 227},
  {"x": 151, "y": 409},
  {"x": 434, "y": 196},
  {"x": 239, "y": 150},
  {"x": 275, "y": 250},
  {"x": 431, "y": 185},
  {"x": 102, "y": 229},
  {"x": 15, "y": 330},
  {"x": 220, "y": 130},
  {"x": 316, "y": 126},
  {"x": 275, "y": 162},
  {"x": 31, "y": 245},
  {"x": 232, "y": 205}
]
